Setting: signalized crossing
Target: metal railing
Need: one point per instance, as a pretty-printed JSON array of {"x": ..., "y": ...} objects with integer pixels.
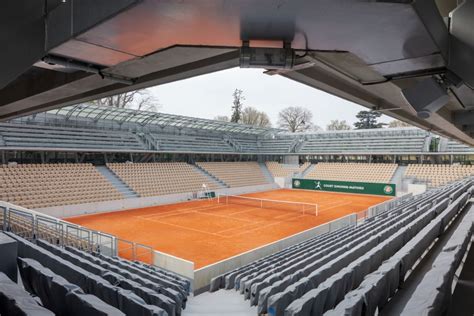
[
  {"x": 32, "y": 225},
  {"x": 134, "y": 251}
]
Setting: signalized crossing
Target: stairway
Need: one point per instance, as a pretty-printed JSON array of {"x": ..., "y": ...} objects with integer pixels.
[
  {"x": 2, "y": 141},
  {"x": 266, "y": 172},
  {"x": 307, "y": 170},
  {"x": 398, "y": 176},
  {"x": 121, "y": 186},
  {"x": 211, "y": 177}
]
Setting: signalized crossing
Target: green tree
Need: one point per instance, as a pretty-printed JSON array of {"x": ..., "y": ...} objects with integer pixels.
[
  {"x": 237, "y": 106},
  {"x": 336, "y": 125},
  {"x": 368, "y": 120}
]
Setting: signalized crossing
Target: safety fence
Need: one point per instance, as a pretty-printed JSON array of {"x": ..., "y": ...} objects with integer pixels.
[
  {"x": 382, "y": 207},
  {"x": 31, "y": 225}
]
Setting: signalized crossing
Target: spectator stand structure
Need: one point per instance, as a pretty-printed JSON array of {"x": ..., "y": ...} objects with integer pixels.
[
  {"x": 83, "y": 131},
  {"x": 359, "y": 270}
]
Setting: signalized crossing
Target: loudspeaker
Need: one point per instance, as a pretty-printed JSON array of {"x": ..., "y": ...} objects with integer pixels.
[{"x": 426, "y": 97}]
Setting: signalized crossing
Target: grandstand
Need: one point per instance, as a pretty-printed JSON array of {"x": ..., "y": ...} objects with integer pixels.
[
  {"x": 285, "y": 170},
  {"x": 235, "y": 174},
  {"x": 397, "y": 140},
  {"x": 436, "y": 175},
  {"x": 363, "y": 172},
  {"x": 344, "y": 272},
  {"x": 353, "y": 263},
  {"x": 93, "y": 128},
  {"x": 43, "y": 185},
  {"x": 141, "y": 229},
  {"x": 151, "y": 179}
]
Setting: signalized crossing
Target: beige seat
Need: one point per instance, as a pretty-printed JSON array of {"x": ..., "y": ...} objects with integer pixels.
[
  {"x": 236, "y": 174},
  {"x": 358, "y": 172},
  {"x": 45, "y": 185}
]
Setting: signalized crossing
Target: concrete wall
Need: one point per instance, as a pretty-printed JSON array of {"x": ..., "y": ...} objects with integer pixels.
[
  {"x": 203, "y": 276},
  {"x": 126, "y": 204},
  {"x": 416, "y": 189},
  {"x": 291, "y": 160},
  {"x": 280, "y": 181},
  {"x": 174, "y": 264}
]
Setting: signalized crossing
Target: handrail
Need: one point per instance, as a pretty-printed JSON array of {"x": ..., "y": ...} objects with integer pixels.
[{"x": 31, "y": 224}]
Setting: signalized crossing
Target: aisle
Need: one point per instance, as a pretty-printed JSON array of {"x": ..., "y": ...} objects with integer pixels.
[{"x": 219, "y": 303}]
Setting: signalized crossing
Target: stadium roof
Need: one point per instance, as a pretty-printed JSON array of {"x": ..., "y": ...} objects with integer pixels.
[{"x": 120, "y": 115}]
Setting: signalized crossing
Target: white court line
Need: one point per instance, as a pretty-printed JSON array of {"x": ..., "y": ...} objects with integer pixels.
[
  {"x": 178, "y": 212},
  {"x": 263, "y": 227},
  {"x": 333, "y": 207},
  {"x": 181, "y": 227}
]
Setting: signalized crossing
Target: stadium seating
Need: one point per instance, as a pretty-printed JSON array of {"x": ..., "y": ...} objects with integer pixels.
[
  {"x": 69, "y": 281},
  {"x": 14, "y": 300},
  {"x": 432, "y": 294},
  {"x": 396, "y": 140},
  {"x": 285, "y": 170},
  {"x": 436, "y": 175},
  {"x": 235, "y": 174},
  {"x": 246, "y": 145},
  {"x": 44, "y": 185},
  {"x": 95, "y": 128},
  {"x": 120, "y": 289},
  {"x": 152, "y": 179},
  {"x": 277, "y": 145},
  {"x": 182, "y": 143},
  {"x": 453, "y": 146},
  {"x": 40, "y": 136},
  {"x": 315, "y": 276},
  {"x": 364, "y": 172}
]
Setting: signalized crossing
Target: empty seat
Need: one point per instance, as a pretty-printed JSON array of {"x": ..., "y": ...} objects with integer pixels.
[
  {"x": 235, "y": 174},
  {"x": 59, "y": 295},
  {"x": 16, "y": 301},
  {"x": 358, "y": 172}
]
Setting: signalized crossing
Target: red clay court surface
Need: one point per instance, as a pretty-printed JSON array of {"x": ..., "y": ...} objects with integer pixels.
[{"x": 206, "y": 232}]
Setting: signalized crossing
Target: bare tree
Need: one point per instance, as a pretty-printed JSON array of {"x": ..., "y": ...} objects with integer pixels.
[
  {"x": 252, "y": 116},
  {"x": 295, "y": 119},
  {"x": 237, "y": 105},
  {"x": 222, "y": 118},
  {"x": 397, "y": 123},
  {"x": 140, "y": 100},
  {"x": 336, "y": 125}
]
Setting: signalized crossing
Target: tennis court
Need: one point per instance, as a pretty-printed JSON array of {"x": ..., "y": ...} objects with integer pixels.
[{"x": 206, "y": 231}]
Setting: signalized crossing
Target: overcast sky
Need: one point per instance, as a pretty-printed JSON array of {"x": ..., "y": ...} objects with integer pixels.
[{"x": 210, "y": 95}]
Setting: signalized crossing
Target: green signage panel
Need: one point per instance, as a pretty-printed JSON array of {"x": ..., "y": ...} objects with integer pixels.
[{"x": 385, "y": 189}]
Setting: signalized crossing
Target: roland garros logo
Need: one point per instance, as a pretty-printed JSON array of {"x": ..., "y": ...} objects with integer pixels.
[
  {"x": 297, "y": 183},
  {"x": 387, "y": 189}
]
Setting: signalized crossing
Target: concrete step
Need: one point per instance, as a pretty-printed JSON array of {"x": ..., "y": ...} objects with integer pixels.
[
  {"x": 121, "y": 186},
  {"x": 266, "y": 172},
  {"x": 211, "y": 177},
  {"x": 307, "y": 170},
  {"x": 217, "y": 304},
  {"x": 397, "y": 178}
]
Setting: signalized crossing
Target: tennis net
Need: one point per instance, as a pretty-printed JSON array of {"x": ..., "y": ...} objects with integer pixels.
[{"x": 300, "y": 207}]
